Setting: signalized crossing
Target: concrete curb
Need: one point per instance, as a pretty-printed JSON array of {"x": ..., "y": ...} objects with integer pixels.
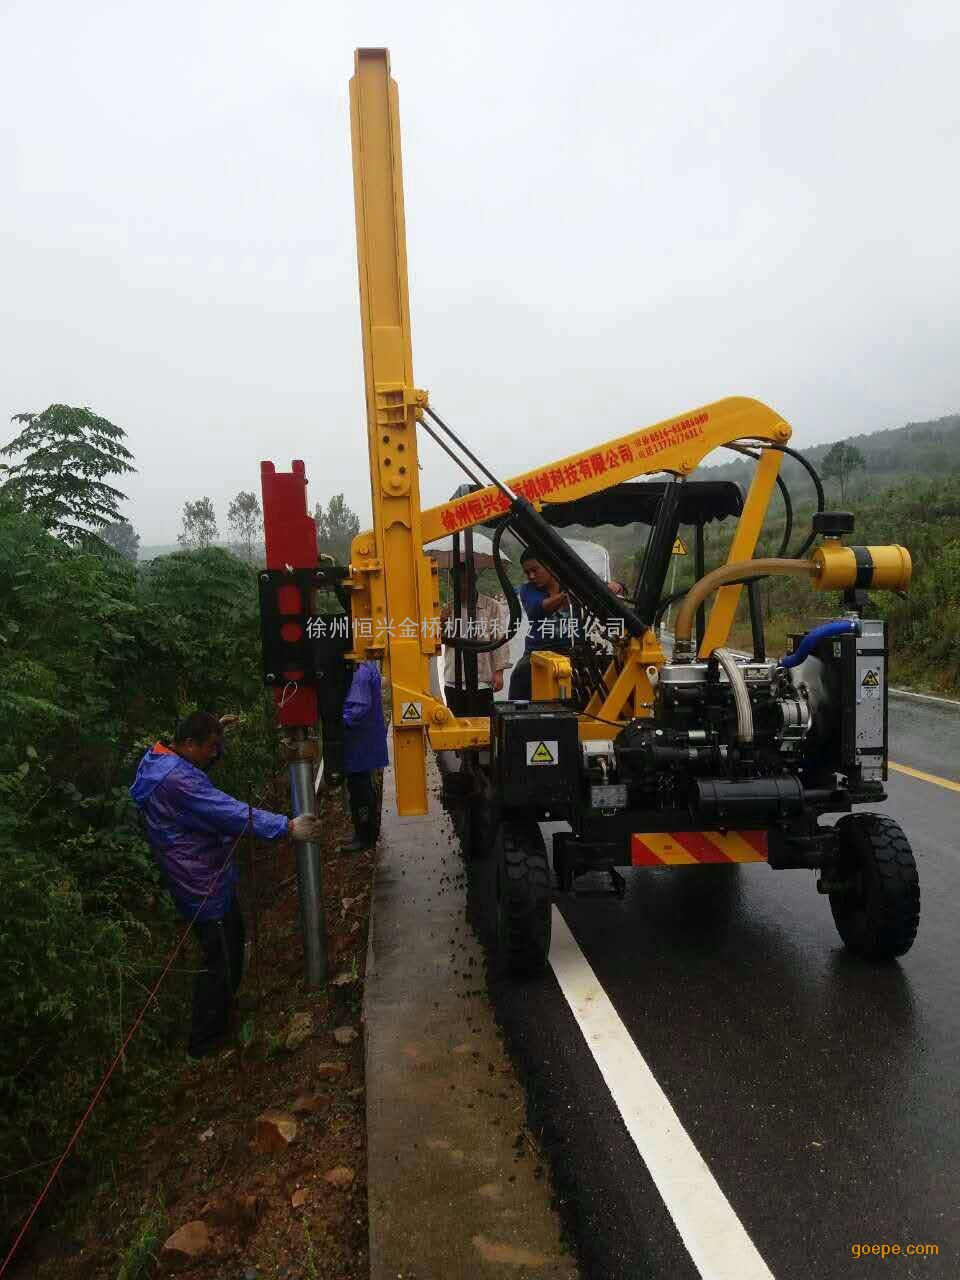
[
  {"x": 453, "y": 1193},
  {"x": 924, "y": 697}
]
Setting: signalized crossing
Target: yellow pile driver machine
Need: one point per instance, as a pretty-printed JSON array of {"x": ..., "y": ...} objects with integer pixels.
[{"x": 702, "y": 756}]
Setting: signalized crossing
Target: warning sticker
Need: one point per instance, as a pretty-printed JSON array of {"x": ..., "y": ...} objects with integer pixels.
[
  {"x": 542, "y": 752},
  {"x": 678, "y": 547},
  {"x": 411, "y": 712},
  {"x": 870, "y": 683}
]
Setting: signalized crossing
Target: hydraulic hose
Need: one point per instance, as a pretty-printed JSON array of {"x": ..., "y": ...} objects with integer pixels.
[
  {"x": 513, "y": 604},
  {"x": 811, "y": 472},
  {"x": 784, "y": 494},
  {"x": 839, "y": 627},
  {"x": 726, "y": 574},
  {"x": 746, "y": 452},
  {"x": 741, "y": 695}
]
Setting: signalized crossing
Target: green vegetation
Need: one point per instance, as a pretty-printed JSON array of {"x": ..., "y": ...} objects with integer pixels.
[
  {"x": 124, "y": 539},
  {"x": 199, "y": 525},
  {"x": 840, "y": 463},
  {"x": 245, "y": 521},
  {"x": 337, "y": 526},
  {"x": 139, "y": 1257},
  {"x": 65, "y": 456},
  {"x": 310, "y": 1258},
  {"x": 98, "y": 657},
  {"x": 923, "y": 515}
]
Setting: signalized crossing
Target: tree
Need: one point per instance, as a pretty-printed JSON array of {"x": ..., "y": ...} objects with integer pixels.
[
  {"x": 840, "y": 463},
  {"x": 246, "y": 521},
  {"x": 66, "y": 456},
  {"x": 199, "y": 525},
  {"x": 123, "y": 538},
  {"x": 336, "y": 528}
]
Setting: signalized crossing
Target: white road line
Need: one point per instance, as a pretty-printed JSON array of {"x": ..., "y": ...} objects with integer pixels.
[
  {"x": 712, "y": 1233},
  {"x": 926, "y": 697}
]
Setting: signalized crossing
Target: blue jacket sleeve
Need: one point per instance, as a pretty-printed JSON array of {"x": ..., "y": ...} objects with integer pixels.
[
  {"x": 359, "y": 700},
  {"x": 532, "y": 600},
  {"x": 209, "y": 809}
]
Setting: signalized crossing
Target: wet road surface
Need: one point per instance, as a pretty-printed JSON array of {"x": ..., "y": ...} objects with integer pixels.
[{"x": 822, "y": 1092}]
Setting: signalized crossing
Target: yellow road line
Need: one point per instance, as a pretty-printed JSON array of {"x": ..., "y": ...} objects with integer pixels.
[{"x": 925, "y": 777}]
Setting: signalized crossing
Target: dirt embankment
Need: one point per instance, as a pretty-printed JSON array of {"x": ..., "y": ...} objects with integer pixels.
[{"x": 255, "y": 1165}]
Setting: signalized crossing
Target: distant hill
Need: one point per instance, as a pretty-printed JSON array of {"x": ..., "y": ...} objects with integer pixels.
[
  {"x": 918, "y": 451},
  {"x": 894, "y": 455},
  {"x": 168, "y": 549}
]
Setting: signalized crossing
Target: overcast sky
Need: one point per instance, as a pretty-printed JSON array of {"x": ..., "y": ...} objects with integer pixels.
[{"x": 615, "y": 212}]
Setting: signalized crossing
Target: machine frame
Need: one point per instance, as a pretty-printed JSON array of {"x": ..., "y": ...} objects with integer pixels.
[{"x": 662, "y": 766}]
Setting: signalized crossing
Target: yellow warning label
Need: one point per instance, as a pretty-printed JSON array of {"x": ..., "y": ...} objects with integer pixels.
[
  {"x": 678, "y": 547},
  {"x": 871, "y": 679},
  {"x": 541, "y": 753},
  {"x": 411, "y": 711}
]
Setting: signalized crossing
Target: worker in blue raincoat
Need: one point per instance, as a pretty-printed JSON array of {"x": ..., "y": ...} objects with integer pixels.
[
  {"x": 365, "y": 750},
  {"x": 192, "y": 829}
]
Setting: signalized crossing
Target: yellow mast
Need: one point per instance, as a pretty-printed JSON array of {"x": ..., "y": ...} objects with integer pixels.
[{"x": 394, "y": 580}]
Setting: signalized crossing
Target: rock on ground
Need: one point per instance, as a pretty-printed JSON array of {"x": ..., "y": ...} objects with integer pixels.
[
  {"x": 187, "y": 1244},
  {"x": 299, "y": 1030},
  {"x": 273, "y": 1131}
]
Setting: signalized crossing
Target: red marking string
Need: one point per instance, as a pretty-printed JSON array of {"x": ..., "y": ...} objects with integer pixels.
[{"x": 115, "y": 1063}]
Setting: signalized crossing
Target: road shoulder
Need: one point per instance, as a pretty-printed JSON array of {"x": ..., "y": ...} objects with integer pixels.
[{"x": 456, "y": 1188}]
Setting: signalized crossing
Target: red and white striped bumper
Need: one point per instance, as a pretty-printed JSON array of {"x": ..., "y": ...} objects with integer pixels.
[{"x": 683, "y": 848}]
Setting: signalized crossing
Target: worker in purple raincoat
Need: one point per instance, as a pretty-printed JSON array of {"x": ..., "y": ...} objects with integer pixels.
[
  {"x": 192, "y": 829},
  {"x": 364, "y": 750}
]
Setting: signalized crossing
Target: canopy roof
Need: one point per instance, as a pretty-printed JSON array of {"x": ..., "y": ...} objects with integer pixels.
[
  {"x": 442, "y": 551},
  {"x": 700, "y": 502},
  {"x": 636, "y": 503}
]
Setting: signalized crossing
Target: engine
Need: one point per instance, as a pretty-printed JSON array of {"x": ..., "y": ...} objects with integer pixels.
[{"x": 732, "y": 736}]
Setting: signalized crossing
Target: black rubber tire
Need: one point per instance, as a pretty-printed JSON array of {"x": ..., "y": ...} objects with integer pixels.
[
  {"x": 479, "y": 836},
  {"x": 524, "y": 899},
  {"x": 878, "y": 918}
]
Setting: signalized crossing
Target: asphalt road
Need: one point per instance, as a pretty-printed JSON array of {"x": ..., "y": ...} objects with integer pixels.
[{"x": 821, "y": 1092}]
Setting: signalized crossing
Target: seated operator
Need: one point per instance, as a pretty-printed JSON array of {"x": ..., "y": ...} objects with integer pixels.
[{"x": 548, "y": 608}]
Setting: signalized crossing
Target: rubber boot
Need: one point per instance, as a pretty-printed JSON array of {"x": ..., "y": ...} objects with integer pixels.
[{"x": 362, "y": 828}]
